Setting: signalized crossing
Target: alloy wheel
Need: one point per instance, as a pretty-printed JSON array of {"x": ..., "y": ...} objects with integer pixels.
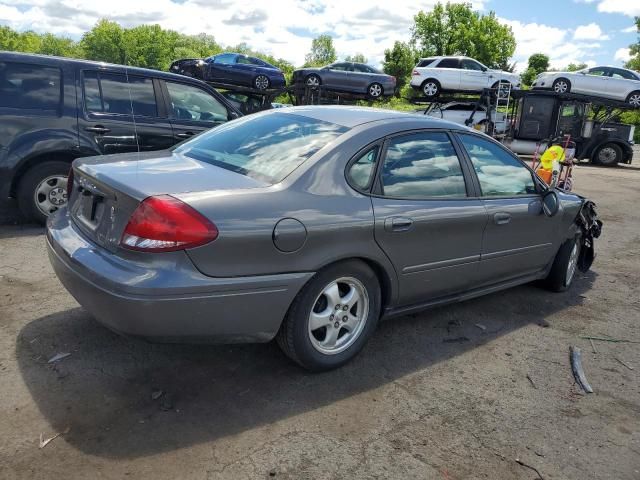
[
  {"x": 51, "y": 194},
  {"x": 634, "y": 100},
  {"x": 430, "y": 89},
  {"x": 261, "y": 82},
  {"x": 375, "y": 90},
  {"x": 338, "y": 316},
  {"x": 571, "y": 266},
  {"x": 560, "y": 87},
  {"x": 313, "y": 81}
]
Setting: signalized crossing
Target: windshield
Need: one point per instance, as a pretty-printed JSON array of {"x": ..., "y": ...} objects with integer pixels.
[{"x": 265, "y": 147}]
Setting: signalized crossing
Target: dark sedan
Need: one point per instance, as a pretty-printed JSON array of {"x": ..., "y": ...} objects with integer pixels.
[
  {"x": 232, "y": 68},
  {"x": 308, "y": 224},
  {"x": 348, "y": 77}
]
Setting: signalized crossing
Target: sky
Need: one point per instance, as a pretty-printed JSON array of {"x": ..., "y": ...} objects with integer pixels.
[{"x": 596, "y": 32}]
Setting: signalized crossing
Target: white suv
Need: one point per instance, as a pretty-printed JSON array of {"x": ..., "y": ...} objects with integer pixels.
[{"x": 436, "y": 74}]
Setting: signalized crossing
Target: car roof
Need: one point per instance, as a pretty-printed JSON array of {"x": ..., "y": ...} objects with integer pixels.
[
  {"x": 50, "y": 59},
  {"x": 350, "y": 117}
]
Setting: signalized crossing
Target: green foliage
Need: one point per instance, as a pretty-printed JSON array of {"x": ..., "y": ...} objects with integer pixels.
[
  {"x": 322, "y": 52},
  {"x": 455, "y": 29},
  {"x": 399, "y": 62},
  {"x": 538, "y": 63},
  {"x": 574, "y": 67},
  {"x": 632, "y": 118},
  {"x": 634, "y": 50},
  {"x": 357, "y": 58}
]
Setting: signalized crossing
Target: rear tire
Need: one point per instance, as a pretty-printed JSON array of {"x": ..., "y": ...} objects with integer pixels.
[
  {"x": 431, "y": 88},
  {"x": 375, "y": 91},
  {"x": 313, "y": 81},
  {"x": 261, "y": 82},
  {"x": 332, "y": 317},
  {"x": 564, "y": 266},
  {"x": 608, "y": 155},
  {"x": 43, "y": 190},
  {"x": 561, "y": 85}
]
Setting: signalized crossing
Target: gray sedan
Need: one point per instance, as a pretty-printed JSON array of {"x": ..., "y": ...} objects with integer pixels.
[
  {"x": 348, "y": 77},
  {"x": 308, "y": 224}
]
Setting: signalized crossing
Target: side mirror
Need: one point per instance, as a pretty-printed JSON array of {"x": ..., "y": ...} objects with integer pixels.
[
  {"x": 550, "y": 203},
  {"x": 484, "y": 69}
]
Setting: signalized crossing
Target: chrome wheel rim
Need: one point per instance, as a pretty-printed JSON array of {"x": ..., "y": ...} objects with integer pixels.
[
  {"x": 607, "y": 154},
  {"x": 313, "y": 81},
  {"x": 561, "y": 87},
  {"x": 635, "y": 100},
  {"x": 430, "y": 89},
  {"x": 51, "y": 194},
  {"x": 338, "y": 316},
  {"x": 573, "y": 262},
  {"x": 375, "y": 90},
  {"x": 262, "y": 82}
]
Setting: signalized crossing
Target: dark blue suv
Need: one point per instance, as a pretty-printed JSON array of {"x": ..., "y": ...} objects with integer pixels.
[
  {"x": 232, "y": 68},
  {"x": 54, "y": 110}
]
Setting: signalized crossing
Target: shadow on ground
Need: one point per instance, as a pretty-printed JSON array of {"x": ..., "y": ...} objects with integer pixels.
[{"x": 103, "y": 391}]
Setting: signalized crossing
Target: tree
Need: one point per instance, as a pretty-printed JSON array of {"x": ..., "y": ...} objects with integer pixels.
[
  {"x": 104, "y": 42},
  {"x": 357, "y": 58},
  {"x": 574, "y": 67},
  {"x": 399, "y": 62},
  {"x": 634, "y": 51},
  {"x": 455, "y": 29},
  {"x": 322, "y": 52},
  {"x": 538, "y": 63}
]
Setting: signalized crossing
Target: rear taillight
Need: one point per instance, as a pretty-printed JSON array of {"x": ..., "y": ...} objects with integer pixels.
[
  {"x": 69, "y": 184},
  {"x": 165, "y": 224},
  {"x": 415, "y": 72}
]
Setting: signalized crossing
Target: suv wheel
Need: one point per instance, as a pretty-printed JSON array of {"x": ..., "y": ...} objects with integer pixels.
[
  {"x": 608, "y": 155},
  {"x": 43, "y": 190},
  {"x": 431, "y": 88},
  {"x": 332, "y": 317}
]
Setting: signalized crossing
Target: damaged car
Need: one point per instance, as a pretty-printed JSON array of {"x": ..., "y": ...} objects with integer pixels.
[{"x": 309, "y": 225}]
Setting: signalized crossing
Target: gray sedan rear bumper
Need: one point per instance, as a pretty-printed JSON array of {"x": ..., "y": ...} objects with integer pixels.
[{"x": 168, "y": 301}]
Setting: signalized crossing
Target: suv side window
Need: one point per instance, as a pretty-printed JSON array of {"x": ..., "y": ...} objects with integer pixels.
[
  {"x": 193, "y": 103},
  {"x": 422, "y": 165},
  {"x": 30, "y": 87},
  {"x": 448, "y": 63},
  {"x": 425, "y": 62},
  {"x": 361, "y": 171},
  {"x": 106, "y": 92},
  {"x": 499, "y": 172},
  {"x": 467, "y": 64}
]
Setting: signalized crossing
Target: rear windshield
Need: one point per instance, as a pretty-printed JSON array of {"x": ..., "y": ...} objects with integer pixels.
[
  {"x": 266, "y": 147},
  {"x": 30, "y": 87},
  {"x": 425, "y": 62}
]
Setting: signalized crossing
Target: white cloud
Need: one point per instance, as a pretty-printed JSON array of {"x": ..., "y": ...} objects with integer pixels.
[
  {"x": 623, "y": 55},
  {"x": 626, "y": 7},
  {"x": 630, "y": 29},
  {"x": 591, "y": 31}
]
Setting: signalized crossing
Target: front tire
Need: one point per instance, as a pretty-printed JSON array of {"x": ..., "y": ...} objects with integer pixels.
[
  {"x": 43, "y": 190},
  {"x": 608, "y": 155},
  {"x": 375, "y": 91},
  {"x": 261, "y": 82},
  {"x": 332, "y": 317},
  {"x": 561, "y": 85},
  {"x": 313, "y": 81},
  {"x": 564, "y": 266},
  {"x": 633, "y": 99}
]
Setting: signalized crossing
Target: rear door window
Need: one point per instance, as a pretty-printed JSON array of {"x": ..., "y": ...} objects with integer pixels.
[
  {"x": 106, "y": 92},
  {"x": 30, "y": 87},
  {"x": 426, "y": 62},
  {"x": 421, "y": 166},
  {"x": 449, "y": 63}
]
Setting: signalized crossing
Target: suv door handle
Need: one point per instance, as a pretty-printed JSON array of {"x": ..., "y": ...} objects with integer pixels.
[
  {"x": 185, "y": 134},
  {"x": 98, "y": 129},
  {"x": 398, "y": 224},
  {"x": 501, "y": 218}
]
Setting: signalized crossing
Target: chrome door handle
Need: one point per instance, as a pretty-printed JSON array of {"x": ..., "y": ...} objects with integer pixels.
[
  {"x": 184, "y": 135},
  {"x": 98, "y": 129},
  {"x": 501, "y": 218}
]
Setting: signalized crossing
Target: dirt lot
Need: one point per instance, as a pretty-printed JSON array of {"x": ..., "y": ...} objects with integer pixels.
[{"x": 432, "y": 396}]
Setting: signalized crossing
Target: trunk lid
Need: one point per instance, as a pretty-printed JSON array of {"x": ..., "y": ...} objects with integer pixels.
[{"x": 108, "y": 189}]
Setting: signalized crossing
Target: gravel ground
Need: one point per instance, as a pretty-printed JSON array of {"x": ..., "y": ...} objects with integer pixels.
[{"x": 431, "y": 396}]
